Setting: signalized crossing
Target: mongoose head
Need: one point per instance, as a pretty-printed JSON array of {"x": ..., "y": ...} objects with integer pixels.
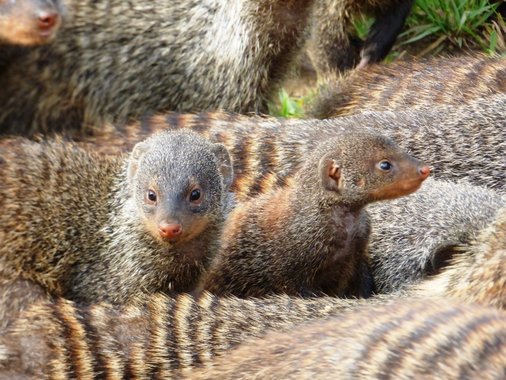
[
  {"x": 361, "y": 167},
  {"x": 178, "y": 181},
  {"x": 29, "y": 22}
]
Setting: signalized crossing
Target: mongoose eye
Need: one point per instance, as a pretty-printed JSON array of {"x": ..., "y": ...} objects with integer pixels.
[
  {"x": 385, "y": 165},
  {"x": 151, "y": 196},
  {"x": 195, "y": 195}
]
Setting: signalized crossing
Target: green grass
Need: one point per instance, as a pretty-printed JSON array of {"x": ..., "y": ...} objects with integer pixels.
[{"x": 287, "y": 106}]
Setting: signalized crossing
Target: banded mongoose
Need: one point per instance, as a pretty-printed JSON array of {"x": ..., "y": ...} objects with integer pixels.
[
  {"x": 461, "y": 142},
  {"x": 414, "y": 83},
  {"x": 29, "y": 22},
  {"x": 333, "y": 45},
  {"x": 310, "y": 237},
  {"x": 402, "y": 340},
  {"x": 115, "y": 60},
  {"x": 91, "y": 228},
  {"x": 417, "y": 235},
  {"x": 478, "y": 272}
]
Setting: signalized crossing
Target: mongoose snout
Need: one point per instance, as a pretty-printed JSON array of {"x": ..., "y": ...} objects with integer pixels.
[
  {"x": 170, "y": 230},
  {"x": 47, "y": 21}
]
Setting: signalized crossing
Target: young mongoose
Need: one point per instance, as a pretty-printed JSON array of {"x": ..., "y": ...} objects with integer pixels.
[
  {"x": 402, "y": 340},
  {"x": 29, "y": 22},
  {"x": 478, "y": 272},
  {"x": 115, "y": 60},
  {"x": 418, "y": 235},
  {"x": 415, "y": 83},
  {"x": 92, "y": 228},
  {"x": 165, "y": 335},
  {"x": 333, "y": 46},
  {"x": 311, "y": 236}
]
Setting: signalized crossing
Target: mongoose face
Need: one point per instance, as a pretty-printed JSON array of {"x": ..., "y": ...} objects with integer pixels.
[
  {"x": 362, "y": 167},
  {"x": 177, "y": 181},
  {"x": 29, "y": 22}
]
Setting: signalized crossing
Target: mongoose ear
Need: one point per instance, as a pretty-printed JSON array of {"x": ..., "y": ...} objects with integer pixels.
[
  {"x": 331, "y": 174},
  {"x": 133, "y": 162},
  {"x": 224, "y": 164}
]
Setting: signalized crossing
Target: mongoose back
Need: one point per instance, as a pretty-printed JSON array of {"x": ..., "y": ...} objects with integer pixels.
[
  {"x": 414, "y": 84},
  {"x": 478, "y": 272},
  {"x": 29, "y": 22},
  {"x": 116, "y": 60},
  {"x": 460, "y": 142},
  {"x": 417, "y": 235},
  {"x": 165, "y": 335},
  {"x": 91, "y": 228},
  {"x": 333, "y": 47},
  {"x": 311, "y": 236},
  {"x": 402, "y": 340}
]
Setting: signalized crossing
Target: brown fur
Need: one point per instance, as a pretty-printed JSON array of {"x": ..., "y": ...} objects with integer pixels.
[
  {"x": 412, "y": 84},
  {"x": 29, "y": 22},
  {"x": 402, "y": 340},
  {"x": 80, "y": 226},
  {"x": 116, "y": 60},
  {"x": 311, "y": 237}
]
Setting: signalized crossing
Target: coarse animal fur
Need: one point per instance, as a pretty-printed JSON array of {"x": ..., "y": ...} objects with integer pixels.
[
  {"x": 116, "y": 60},
  {"x": 459, "y": 142},
  {"x": 29, "y": 22},
  {"x": 85, "y": 227},
  {"x": 402, "y": 340},
  {"x": 418, "y": 235},
  {"x": 333, "y": 45},
  {"x": 310, "y": 237},
  {"x": 478, "y": 272},
  {"x": 415, "y": 83}
]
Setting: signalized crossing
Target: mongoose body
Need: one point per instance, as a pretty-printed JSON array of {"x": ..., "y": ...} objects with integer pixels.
[
  {"x": 403, "y": 340},
  {"x": 29, "y": 22},
  {"x": 310, "y": 237},
  {"x": 417, "y": 235},
  {"x": 460, "y": 142},
  {"x": 412, "y": 84},
  {"x": 91, "y": 228},
  {"x": 116, "y": 60},
  {"x": 333, "y": 47},
  {"x": 166, "y": 335},
  {"x": 478, "y": 272}
]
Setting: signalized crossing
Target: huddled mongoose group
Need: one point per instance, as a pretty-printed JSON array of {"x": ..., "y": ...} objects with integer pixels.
[
  {"x": 310, "y": 236},
  {"x": 415, "y": 83},
  {"x": 333, "y": 46},
  {"x": 29, "y": 22},
  {"x": 90, "y": 228}
]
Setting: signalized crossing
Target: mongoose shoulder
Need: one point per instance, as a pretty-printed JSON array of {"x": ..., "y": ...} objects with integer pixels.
[
  {"x": 311, "y": 236},
  {"x": 89, "y": 228},
  {"x": 414, "y": 83},
  {"x": 416, "y": 236},
  {"x": 29, "y": 22},
  {"x": 477, "y": 271},
  {"x": 116, "y": 60},
  {"x": 403, "y": 340},
  {"x": 333, "y": 47}
]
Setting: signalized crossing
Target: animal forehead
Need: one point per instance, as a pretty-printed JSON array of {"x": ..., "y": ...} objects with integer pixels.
[{"x": 360, "y": 143}]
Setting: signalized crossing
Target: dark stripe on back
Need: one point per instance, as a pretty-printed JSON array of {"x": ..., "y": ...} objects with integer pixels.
[
  {"x": 71, "y": 357},
  {"x": 265, "y": 155},
  {"x": 93, "y": 336},
  {"x": 474, "y": 75},
  {"x": 202, "y": 122},
  {"x": 173, "y": 120}
]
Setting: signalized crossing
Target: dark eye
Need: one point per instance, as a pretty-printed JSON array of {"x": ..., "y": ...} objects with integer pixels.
[
  {"x": 385, "y": 165},
  {"x": 195, "y": 195},
  {"x": 151, "y": 196}
]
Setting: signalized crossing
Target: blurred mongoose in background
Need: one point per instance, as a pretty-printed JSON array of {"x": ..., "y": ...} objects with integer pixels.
[
  {"x": 403, "y": 340},
  {"x": 90, "y": 228},
  {"x": 415, "y": 83},
  {"x": 460, "y": 142},
  {"x": 418, "y": 235},
  {"x": 29, "y": 22},
  {"x": 310, "y": 237},
  {"x": 115, "y": 60},
  {"x": 333, "y": 47}
]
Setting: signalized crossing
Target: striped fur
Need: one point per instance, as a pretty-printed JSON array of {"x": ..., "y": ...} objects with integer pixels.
[
  {"x": 401, "y": 340},
  {"x": 412, "y": 84},
  {"x": 466, "y": 142}
]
